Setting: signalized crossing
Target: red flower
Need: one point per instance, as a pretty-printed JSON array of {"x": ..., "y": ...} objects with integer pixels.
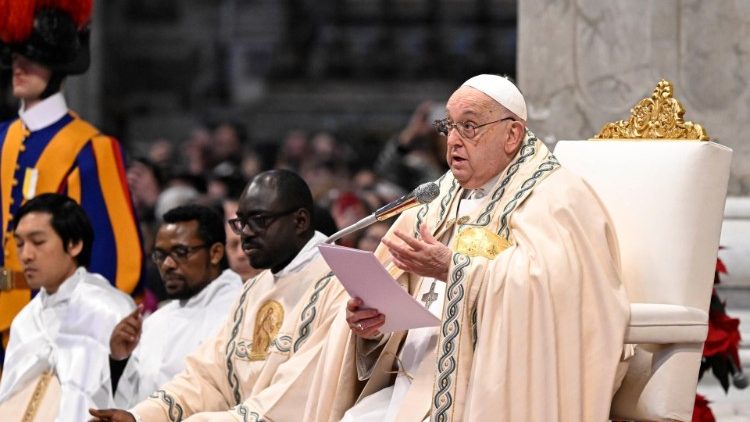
[
  {"x": 720, "y": 267},
  {"x": 723, "y": 335},
  {"x": 701, "y": 411}
]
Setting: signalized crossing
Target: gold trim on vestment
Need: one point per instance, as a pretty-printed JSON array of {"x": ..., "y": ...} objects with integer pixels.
[
  {"x": 478, "y": 241},
  {"x": 268, "y": 321},
  {"x": 658, "y": 117},
  {"x": 36, "y": 398}
]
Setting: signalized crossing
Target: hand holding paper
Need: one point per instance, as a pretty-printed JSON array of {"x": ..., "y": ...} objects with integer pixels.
[
  {"x": 364, "y": 322},
  {"x": 363, "y": 276}
]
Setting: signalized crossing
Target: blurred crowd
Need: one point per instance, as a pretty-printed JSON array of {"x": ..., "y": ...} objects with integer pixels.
[{"x": 213, "y": 165}]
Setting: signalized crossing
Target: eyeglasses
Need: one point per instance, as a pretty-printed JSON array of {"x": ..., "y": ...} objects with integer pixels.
[
  {"x": 257, "y": 222},
  {"x": 467, "y": 130},
  {"x": 179, "y": 253}
]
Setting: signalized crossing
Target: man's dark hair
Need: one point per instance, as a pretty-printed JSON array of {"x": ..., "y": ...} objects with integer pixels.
[
  {"x": 68, "y": 220},
  {"x": 210, "y": 222}
]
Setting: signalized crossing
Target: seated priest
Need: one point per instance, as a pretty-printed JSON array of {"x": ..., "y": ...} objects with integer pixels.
[
  {"x": 518, "y": 258},
  {"x": 260, "y": 365},
  {"x": 64, "y": 331},
  {"x": 189, "y": 253}
]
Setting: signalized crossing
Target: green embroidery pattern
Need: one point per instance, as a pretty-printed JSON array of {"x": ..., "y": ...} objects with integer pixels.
[
  {"x": 308, "y": 314},
  {"x": 239, "y": 315},
  {"x": 247, "y": 415},
  {"x": 174, "y": 410}
]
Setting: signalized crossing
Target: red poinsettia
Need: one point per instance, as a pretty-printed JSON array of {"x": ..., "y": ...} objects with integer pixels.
[
  {"x": 701, "y": 411},
  {"x": 720, "y": 352},
  {"x": 723, "y": 335}
]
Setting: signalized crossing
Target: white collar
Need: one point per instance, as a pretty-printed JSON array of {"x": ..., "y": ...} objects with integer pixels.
[
  {"x": 480, "y": 192},
  {"x": 304, "y": 256},
  {"x": 204, "y": 296},
  {"x": 43, "y": 113},
  {"x": 64, "y": 291}
]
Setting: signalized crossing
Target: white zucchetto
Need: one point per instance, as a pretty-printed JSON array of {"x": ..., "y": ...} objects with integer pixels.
[{"x": 501, "y": 90}]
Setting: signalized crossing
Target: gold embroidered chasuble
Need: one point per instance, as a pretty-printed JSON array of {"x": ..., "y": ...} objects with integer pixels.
[
  {"x": 259, "y": 365},
  {"x": 534, "y": 314}
]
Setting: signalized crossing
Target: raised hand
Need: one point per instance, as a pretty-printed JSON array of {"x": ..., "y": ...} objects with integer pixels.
[
  {"x": 126, "y": 335},
  {"x": 426, "y": 257},
  {"x": 419, "y": 125}
]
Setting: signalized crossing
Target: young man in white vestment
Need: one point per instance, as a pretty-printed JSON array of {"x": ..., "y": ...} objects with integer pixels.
[
  {"x": 260, "y": 365},
  {"x": 189, "y": 252},
  {"x": 64, "y": 331},
  {"x": 518, "y": 258}
]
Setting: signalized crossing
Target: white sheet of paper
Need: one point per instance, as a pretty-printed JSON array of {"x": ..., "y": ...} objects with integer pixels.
[{"x": 363, "y": 276}]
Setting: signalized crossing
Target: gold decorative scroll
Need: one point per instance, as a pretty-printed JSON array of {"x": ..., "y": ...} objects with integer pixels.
[
  {"x": 658, "y": 117},
  {"x": 36, "y": 397}
]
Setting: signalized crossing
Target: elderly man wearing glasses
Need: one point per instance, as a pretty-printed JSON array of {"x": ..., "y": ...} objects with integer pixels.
[
  {"x": 189, "y": 252},
  {"x": 519, "y": 260},
  {"x": 260, "y": 365}
]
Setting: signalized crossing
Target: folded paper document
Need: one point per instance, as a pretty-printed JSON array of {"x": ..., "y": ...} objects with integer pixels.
[{"x": 363, "y": 276}]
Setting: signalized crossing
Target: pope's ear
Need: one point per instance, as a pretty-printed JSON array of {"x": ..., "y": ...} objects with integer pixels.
[{"x": 515, "y": 137}]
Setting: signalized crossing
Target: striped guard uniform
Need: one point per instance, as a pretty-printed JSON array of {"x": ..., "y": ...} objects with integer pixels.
[{"x": 50, "y": 149}]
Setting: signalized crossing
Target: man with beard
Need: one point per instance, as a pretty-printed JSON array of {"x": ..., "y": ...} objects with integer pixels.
[
  {"x": 189, "y": 252},
  {"x": 261, "y": 364}
]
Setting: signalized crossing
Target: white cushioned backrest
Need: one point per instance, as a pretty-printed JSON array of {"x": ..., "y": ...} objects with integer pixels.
[{"x": 666, "y": 200}]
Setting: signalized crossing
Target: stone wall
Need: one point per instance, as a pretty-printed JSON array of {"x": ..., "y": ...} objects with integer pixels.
[{"x": 582, "y": 63}]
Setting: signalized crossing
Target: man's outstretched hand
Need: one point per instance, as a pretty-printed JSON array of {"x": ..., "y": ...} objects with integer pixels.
[{"x": 111, "y": 415}]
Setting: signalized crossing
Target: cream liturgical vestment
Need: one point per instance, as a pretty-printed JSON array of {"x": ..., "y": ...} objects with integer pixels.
[
  {"x": 260, "y": 365},
  {"x": 67, "y": 334},
  {"x": 534, "y": 312},
  {"x": 171, "y": 333}
]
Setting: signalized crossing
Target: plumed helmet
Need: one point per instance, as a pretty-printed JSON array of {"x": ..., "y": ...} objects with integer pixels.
[{"x": 54, "y": 33}]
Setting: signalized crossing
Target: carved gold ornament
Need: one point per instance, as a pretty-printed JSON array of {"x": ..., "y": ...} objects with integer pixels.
[
  {"x": 476, "y": 241},
  {"x": 658, "y": 117},
  {"x": 267, "y": 324}
]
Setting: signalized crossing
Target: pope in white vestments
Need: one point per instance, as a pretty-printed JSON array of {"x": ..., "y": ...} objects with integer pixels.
[
  {"x": 519, "y": 259},
  {"x": 64, "y": 331}
]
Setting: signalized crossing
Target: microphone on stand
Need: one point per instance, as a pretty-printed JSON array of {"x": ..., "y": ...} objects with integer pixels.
[{"x": 422, "y": 194}]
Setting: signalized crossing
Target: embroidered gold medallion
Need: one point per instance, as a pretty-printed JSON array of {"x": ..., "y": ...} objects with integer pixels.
[
  {"x": 476, "y": 241},
  {"x": 268, "y": 321}
]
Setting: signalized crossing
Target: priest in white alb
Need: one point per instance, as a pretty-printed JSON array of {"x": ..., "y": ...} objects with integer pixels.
[
  {"x": 518, "y": 258},
  {"x": 56, "y": 365},
  {"x": 189, "y": 252}
]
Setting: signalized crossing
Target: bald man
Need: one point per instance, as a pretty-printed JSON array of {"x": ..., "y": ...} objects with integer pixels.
[
  {"x": 260, "y": 365},
  {"x": 519, "y": 260}
]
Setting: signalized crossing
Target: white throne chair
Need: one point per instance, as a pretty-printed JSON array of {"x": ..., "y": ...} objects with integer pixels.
[{"x": 666, "y": 199}]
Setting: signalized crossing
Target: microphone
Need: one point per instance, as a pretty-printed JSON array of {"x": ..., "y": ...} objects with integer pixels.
[{"x": 422, "y": 194}]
